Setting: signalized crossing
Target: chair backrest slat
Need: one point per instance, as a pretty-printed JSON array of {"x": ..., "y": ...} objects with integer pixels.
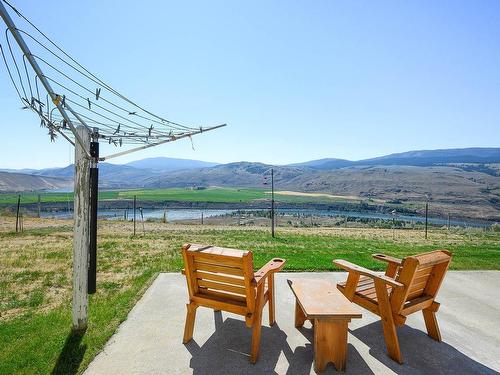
[
  {"x": 421, "y": 275},
  {"x": 221, "y": 287},
  {"x": 220, "y": 277},
  {"x": 405, "y": 276},
  {"x": 225, "y": 296},
  {"x": 210, "y": 267},
  {"x": 419, "y": 283}
]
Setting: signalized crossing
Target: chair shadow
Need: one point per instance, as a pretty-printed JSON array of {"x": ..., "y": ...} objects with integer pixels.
[
  {"x": 71, "y": 355},
  {"x": 227, "y": 351},
  {"x": 421, "y": 354}
]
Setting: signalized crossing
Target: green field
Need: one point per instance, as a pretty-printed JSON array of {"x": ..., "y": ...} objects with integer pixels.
[
  {"x": 213, "y": 194},
  {"x": 35, "y": 275}
]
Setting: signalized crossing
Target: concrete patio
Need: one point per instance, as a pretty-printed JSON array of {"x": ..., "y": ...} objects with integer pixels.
[{"x": 149, "y": 341}]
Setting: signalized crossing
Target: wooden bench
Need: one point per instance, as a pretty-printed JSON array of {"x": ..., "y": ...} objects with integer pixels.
[
  {"x": 408, "y": 286},
  {"x": 330, "y": 312},
  {"x": 224, "y": 279}
]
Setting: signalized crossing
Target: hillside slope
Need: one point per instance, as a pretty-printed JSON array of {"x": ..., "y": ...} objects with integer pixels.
[
  {"x": 19, "y": 182},
  {"x": 451, "y": 189}
]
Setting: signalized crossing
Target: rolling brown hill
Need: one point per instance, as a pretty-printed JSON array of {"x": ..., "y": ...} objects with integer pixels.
[
  {"x": 20, "y": 182},
  {"x": 450, "y": 188},
  {"x": 462, "y": 182}
]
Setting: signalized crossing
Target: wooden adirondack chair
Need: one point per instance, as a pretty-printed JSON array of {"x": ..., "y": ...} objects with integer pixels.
[
  {"x": 224, "y": 279},
  {"x": 408, "y": 286}
]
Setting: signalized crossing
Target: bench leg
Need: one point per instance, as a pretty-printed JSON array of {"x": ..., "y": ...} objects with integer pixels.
[
  {"x": 431, "y": 324},
  {"x": 300, "y": 317},
  {"x": 330, "y": 344},
  {"x": 190, "y": 318}
]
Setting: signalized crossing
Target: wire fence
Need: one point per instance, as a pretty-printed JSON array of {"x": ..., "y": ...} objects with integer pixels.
[{"x": 60, "y": 206}]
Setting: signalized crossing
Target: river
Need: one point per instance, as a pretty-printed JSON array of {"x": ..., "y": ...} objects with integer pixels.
[{"x": 192, "y": 214}]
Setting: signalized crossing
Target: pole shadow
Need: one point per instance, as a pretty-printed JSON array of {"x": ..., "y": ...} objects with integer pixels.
[{"x": 71, "y": 355}]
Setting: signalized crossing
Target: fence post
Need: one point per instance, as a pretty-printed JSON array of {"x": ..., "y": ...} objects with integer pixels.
[
  {"x": 142, "y": 221},
  {"x": 426, "y": 217},
  {"x": 135, "y": 205},
  {"x": 39, "y": 206},
  {"x": 17, "y": 212}
]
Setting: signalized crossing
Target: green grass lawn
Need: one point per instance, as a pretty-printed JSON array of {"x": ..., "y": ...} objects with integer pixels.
[
  {"x": 160, "y": 195},
  {"x": 213, "y": 194},
  {"x": 35, "y": 276},
  {"x": 228, "y": 195}
]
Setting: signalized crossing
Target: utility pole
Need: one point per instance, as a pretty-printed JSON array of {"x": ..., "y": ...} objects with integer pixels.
[
  {"x": 272, "y": 202},
  {"x": 448, "y": 221},
  {"x": 201, "y": 217}
]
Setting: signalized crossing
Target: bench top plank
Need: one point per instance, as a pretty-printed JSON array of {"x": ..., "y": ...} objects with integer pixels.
[{"x": 320, "y": 299}]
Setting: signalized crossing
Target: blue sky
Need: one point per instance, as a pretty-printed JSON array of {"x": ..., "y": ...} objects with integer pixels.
[{"x": 294, "y": 80}]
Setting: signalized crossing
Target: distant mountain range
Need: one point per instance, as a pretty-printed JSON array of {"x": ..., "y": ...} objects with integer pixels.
[
  {"x": 469, "y": 177},
  {"x": 163, "y": 164},
  {"x": 165, "y": 172},
  {"x": 423, "y": 158}
]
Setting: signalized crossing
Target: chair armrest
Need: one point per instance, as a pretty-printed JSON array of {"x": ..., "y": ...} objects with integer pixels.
[
  {"x": 273, "y": 266},
  {"x": 351, "y": 267},
  {"x": 388, "y": 259}
]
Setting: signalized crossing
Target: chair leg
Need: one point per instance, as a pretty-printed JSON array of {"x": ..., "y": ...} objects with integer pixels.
[
  {"x": 431, "y": 324},
  {"x": 190, "y": 318},
  {"x": 257, "y": 325},
  {"x": 270, "y": 293},
  {"x": 391, "y": 339},
  {"x": 256, "y": 330},
  {"x": 388, "y": 325}
]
